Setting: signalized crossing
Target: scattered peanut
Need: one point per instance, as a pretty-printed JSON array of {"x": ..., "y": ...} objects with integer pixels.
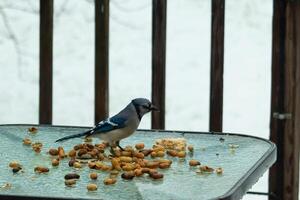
[
  {"x": 145, "y": 170},
  {"x": 77, "y": 164},
  {"x": 190, "y": 148},
  {"x": 37, "y": 147},
  {"x": 93, "y": 176},
  {"x": 27, "y": 141},
  {"x": 55, "y": 162},
  {"x": 206, "y": 169},
  {"x": 109, "y": 181},
  {"x": 139, "y": 155},
  {"x": 140, "y": 146},
  {"x": 72, "y": 153},
  {"x": 156, "y": 175},
  {"x": 153, "y": 154},
  {"x": 125, "y": 159},
  {"x": 115, "y": 164},
  {"x": 181, "y": 154},
  {"x": 61, "y": 152},
  {"x": 138, "y": 172},
  {"x": 71, "y": 162},
  {"x": 152, "y": 164},
  {"x": 53, "y": 152},
  {"x": 128, "y": 167},
  {"x": 160, "y": 154},
  {"x": 194, "y": 162},
  {"x": 219, "y": 170},
  {"x": 164, "y": 165},
  {"x": 70, "y": 182},
  {"x": 91, "y": 187},
  {"x": 172, "y": 153},
  {"x": 41, "y": 169},
  {"x": 14, "y": 164},
  {"x": 72, "y": 176},
  {"x": 126, "y": 153},
  {"x": 128, "y": 175},
  {"x": 81, "y": 152},
  {"x": 32, "y": 130}
]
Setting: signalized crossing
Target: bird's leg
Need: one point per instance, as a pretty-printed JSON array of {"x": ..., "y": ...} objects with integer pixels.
[
  {"x": 112, "y": 151},
  {"x": 118, "y": 145}
]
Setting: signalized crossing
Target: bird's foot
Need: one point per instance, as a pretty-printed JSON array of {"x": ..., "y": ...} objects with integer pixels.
[
  {"x": 112, "y": 151},
  {"x": 118, "y": 145},
  {"x": 122, "y": 149}
]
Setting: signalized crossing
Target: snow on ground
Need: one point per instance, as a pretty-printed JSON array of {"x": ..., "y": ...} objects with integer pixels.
[{"x": 246, "y": 76}]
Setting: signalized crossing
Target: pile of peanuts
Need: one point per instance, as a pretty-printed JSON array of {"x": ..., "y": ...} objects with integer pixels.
[{"x": 132, "y": 162}]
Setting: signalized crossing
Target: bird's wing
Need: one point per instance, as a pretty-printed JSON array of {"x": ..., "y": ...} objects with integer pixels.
[{"x": 109, "y": 125}]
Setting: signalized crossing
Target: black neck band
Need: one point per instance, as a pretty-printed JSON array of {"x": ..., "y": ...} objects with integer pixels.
[{"x": 137, "y": 110}]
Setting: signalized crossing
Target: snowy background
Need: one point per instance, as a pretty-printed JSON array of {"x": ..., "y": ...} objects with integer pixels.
[{"x": 247, "y": 73}]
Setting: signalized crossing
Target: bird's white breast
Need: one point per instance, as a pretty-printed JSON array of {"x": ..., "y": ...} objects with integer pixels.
[{"x": 119, "y": 134}]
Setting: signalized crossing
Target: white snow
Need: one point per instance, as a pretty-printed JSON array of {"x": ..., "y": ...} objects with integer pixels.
[{"x": 247, "y": 62}]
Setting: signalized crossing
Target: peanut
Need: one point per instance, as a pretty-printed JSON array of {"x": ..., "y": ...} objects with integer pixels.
[
  {"x": 91, "y": 187},
  {"x": 72, "y": 153},
  {"x": 55, "y": 162},
  {"x": 109, "y": 181},
  {"x": 206, "y": 168},
  {"x": 219, "y": 170},
  {"x": 115, "y": 164},
  {"x": 128, "y": 175},
  {"x": 194, "y": 162},
  {"x": 72, "y": 176},
  {"x": 172, "y": 153},
  {"x": 14, "y": 164},
  {"x": 190, "y": 148},
  {"x": 61, "y": 152},
  {"x": 70, "y": 182},
  {"x": 140, "y": 146},
  {"x": 77, "y": 164},
  {"x": 53, "y": 152},
  {"x": 93, "y": 176},
  {"x": 181, "y": 154},
  {"x": 41, "y": 169},
  {"x": 32, "y": 130},
  {"x": 27, "y": 141}
]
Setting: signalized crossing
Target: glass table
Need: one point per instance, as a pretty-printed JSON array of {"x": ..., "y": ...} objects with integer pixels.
[{"x": 243, "y": 159}]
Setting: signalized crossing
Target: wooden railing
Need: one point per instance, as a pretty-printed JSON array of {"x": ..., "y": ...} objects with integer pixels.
[{"x": 285, "y": 102}]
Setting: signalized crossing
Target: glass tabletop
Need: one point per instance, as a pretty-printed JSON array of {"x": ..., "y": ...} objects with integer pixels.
[{"x": 243, "y": 160}]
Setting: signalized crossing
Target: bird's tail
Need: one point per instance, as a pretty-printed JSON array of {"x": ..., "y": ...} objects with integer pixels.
[{"x": 74, "y": 136}]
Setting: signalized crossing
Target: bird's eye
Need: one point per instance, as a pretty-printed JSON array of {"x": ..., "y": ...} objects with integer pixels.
[{"x": 145, "y": 106}]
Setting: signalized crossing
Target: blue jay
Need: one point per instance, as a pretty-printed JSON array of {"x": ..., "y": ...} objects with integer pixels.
[{"x": 120, "y": 126}]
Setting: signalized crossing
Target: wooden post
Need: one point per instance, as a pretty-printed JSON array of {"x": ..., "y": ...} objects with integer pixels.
[
  {"x": 101, "y": 59},
  {"x": 285, "y": 108},
  {"x": 159, "y": 12},
  {"x": 216, "y": 64},
  {"x": 46, "y": 46}
]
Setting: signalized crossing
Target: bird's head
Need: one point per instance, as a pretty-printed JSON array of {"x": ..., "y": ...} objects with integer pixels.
[{"x": 143, "y": 106}]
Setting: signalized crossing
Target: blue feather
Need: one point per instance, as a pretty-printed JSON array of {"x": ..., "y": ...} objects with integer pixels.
[
  {"x": 103, "y": 127},
  {"x": 109, "y": 125}
]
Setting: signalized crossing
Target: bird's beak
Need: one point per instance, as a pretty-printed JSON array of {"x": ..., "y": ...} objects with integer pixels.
[{"x": 154, "y": 108}]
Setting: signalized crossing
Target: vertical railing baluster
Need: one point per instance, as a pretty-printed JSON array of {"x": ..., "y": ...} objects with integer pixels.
[
  {"x": 277, "y": 93},
  {"x": 159, "y": 14},
  {"x": 217, "y": 65},
  {"x": 285, "y": 109},
  {"x": 46, "y": 54},
  {"x": 101, "y": 59}
]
